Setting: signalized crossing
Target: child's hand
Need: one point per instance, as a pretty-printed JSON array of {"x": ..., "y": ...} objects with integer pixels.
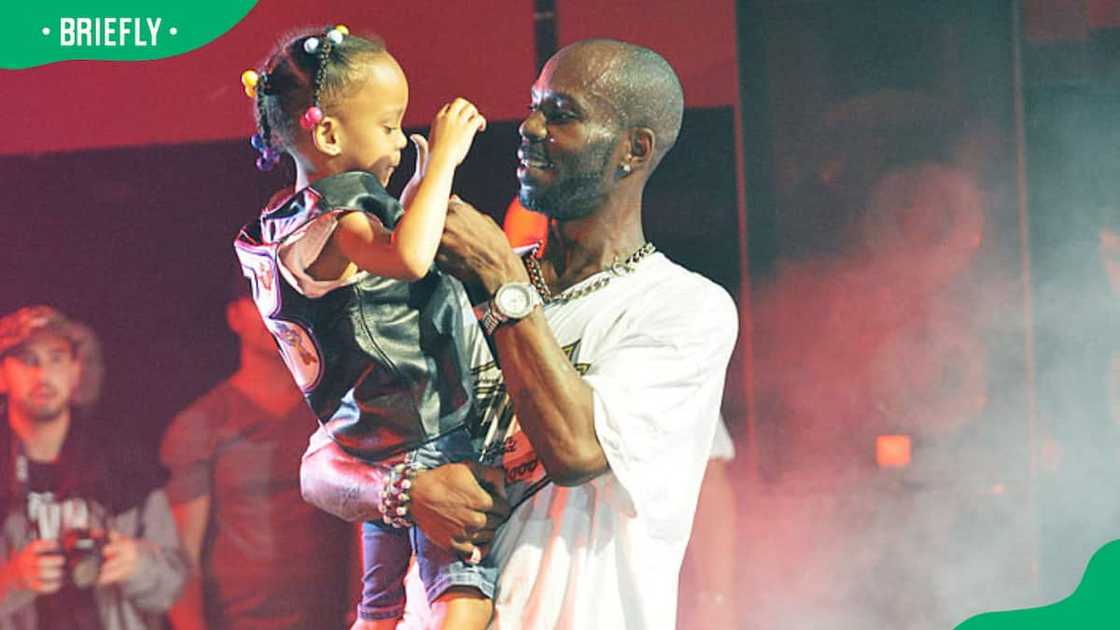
[
  {"x": 453, "y": 130},
  {"x": 413, "y": 184}
]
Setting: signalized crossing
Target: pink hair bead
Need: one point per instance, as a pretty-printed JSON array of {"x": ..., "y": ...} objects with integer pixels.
[{"x": 311, "y": 117}]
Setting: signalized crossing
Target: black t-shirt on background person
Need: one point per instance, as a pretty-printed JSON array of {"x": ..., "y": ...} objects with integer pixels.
[{"x": 51, "y": 514}]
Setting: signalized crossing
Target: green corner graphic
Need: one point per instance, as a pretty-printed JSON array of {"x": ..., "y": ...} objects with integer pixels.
[
  {"x": 1095, "y": 604},
  {"x": 39, "y": 33}
]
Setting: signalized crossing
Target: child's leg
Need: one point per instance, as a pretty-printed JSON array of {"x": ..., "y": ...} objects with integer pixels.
[
  {"x": 385, "y": 555},
  {"x": 461, "y": 608},
  {"x": 460, "y": 594}
]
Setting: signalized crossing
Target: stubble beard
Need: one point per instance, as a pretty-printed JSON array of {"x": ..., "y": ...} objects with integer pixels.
[
  {"x": 44, "y": 413},
  {"x": 577, "y": 195}
]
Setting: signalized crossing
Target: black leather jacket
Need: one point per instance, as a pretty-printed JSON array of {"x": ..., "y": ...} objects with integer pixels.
[{"x": 382, "y": 362}]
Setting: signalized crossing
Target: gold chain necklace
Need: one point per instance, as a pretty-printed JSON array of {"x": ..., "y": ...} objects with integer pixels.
[{"x": 616, "y": 268}]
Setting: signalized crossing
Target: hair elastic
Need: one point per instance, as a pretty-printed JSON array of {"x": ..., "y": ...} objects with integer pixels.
[
  {"x": 256, "y": 87},
  {"x": 333, "y": 36}
]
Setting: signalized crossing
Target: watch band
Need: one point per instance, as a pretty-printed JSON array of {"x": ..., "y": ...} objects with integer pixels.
[{"x": 491, "y": 319}]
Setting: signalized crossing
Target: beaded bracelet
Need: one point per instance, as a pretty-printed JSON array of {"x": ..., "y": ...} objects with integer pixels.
[{"x": 395, "y": 499}]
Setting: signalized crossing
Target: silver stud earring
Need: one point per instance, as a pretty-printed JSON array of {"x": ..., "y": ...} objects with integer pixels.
[{"x": 624, "y": 168}]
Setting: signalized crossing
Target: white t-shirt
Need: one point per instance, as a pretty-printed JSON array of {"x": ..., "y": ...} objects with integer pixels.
[
  {"x": 654, "y": 346},
  {"x": 723, "y": 448}
]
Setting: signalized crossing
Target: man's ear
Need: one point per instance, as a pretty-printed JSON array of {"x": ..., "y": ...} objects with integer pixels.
[
  {"x": 327, "y": 136},
  {"x": 643, "y": 143},
  {"x": 77, "y": 369},
  {"x": 233, "y": 320}
]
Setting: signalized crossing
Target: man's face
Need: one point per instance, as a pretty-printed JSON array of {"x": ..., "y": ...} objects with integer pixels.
[
  {"x": 39, "y": 377},
  {"x": 245, "y": 321},
  {"x": 568, "y": 141}
]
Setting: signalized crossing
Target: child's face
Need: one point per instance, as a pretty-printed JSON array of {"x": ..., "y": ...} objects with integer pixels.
[{"x": 370, "y": 119}]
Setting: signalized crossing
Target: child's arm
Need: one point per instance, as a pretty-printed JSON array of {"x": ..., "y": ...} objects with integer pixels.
[
  {"x": 409, "y": 192},
  {"x": 407, "y": 253}
]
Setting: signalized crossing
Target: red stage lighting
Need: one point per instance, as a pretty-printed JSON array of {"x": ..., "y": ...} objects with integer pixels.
[
  {"x": 523, "y": 226},
  {"x": 892, "y": 451}
]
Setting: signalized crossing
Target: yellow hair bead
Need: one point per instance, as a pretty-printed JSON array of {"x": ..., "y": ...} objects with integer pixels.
[
  {"x": 251, "y": 91},
  {"x": 341, "y": 28},
  {"x": 249, "y": 78}
]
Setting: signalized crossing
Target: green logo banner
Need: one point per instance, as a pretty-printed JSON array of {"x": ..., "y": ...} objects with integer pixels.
[
  {"x": 1093, "y": 606},
  {"x": 36, "y": 33}
]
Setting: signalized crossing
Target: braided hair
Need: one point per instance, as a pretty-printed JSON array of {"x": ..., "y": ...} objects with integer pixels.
[{"x": 295, "y": 80}]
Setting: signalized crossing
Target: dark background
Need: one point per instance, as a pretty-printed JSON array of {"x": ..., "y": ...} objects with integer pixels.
[
  {"x": 138, "y": 243},
  {"x": 1009, "y": 490}
]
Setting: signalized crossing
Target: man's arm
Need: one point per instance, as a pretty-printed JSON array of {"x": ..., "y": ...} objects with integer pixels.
[
  {"x": 649, "y": 395},
  {"x": 163, "y": 566},
  {"x": 188, "y": 451},
  {"x": 191, "y": 517},
  {"x": 338, "y": 483},
  {"x": 555, "y": 406},
  {"x": 448, "y": 503}
]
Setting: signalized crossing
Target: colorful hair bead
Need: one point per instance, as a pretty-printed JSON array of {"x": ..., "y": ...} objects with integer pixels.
[
  {"x": 268, "y": 159},
  {"x": 341, "y": 28},
  {"x": 258, "y": 142},
  {"x": 311, "y": 45},
  {"x": 249, "y": 79},
  {"x": 335, "y": 36},
  {"x": 311, "y": 117}
]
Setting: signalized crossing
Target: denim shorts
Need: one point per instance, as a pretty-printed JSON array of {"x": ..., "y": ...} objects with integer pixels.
[{"x": 386, "y": 550}]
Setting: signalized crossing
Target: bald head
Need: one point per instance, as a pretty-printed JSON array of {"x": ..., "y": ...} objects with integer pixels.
[{"x": 640, "y": 85}]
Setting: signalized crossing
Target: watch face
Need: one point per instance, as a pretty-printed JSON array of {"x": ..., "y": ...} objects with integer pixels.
[{"x": 514, "y": 301}]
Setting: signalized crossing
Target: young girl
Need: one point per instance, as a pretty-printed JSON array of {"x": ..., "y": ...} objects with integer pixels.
[{"x": 343, "y": 277}]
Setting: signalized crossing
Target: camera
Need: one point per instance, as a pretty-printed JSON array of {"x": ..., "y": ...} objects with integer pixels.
[{"x": 82, "y": 549}]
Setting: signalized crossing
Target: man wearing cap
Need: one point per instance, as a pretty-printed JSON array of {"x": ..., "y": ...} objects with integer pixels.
[
  {"x": 234, "y": 458},
  {"x": 87, "y": 541}
]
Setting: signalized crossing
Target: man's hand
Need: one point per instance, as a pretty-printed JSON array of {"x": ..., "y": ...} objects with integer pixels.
[
  {"x": 121, "y": 559},
  {"x": 458, "y": 506},
  {"x": 474, "y": 249},
  {"x": 39, "y": 567}
]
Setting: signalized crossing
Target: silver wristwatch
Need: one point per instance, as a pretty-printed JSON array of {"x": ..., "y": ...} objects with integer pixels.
[{"x": 511, "y": 302}]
